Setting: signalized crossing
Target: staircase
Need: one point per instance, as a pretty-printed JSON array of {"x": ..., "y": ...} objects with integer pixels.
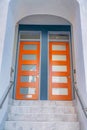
[{"x": 42, "y": 115}]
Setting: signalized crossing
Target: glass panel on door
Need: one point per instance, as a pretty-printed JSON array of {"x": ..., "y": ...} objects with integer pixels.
[
  {"x": 59, "y": 47},
  {"x": 27, "y": 91},
  {"x": 59, "y": 91},
  {"x": 28, "y": 67},
  {"x": 30, "y": 47},
  {"x": 59, "y": 57},
  {"x": 59, "y": 68},
  {"x": 59, "y": 79},
  {"x": 29, "y": 57}
]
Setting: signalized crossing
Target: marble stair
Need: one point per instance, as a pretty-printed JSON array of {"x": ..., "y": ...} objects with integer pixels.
[{"x": 42, "y": 115}]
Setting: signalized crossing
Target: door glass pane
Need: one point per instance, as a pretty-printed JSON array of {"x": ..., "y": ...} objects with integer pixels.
[
  {"x": 30, "y": 35},
  {"x": 30, "y": 47},
  {"x": 56, "y": 36},
  {"x": 59, "y": 91},
  {"x": 59, "y": 47},
  {"x": 59, "y": 79},
  {"x": 27, "y": 90},
  {"x": 29, "y": 57},
  {"x": 28, "y": 78},
  {"x": 58, "y": 57},
  {"x": 29, "y": 67},
  {"x": 58, "y": 68}
]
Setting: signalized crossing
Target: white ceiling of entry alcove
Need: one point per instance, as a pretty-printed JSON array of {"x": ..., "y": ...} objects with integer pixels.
[
  {"x": 62, "y": 8},
  {"x": 44, "y": 20}
]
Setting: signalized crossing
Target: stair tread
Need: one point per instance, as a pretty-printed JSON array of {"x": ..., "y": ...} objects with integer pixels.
[
  {"x": 69, "y": 122},
  {"x": 43, "y": 117},
  {"x": 43, "y": 103},
  {"x": 43, "y": 106},
  {"x": 22, "y": 125},
  {"x": 42, "y": 114},
  {"x": 41, "y": 100}
]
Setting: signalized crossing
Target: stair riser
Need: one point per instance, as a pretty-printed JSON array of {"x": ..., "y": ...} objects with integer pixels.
[
  {"x": 59, "y": 110},
  {"x": 42, "y": 103},
  {"x": 41, "y": 117},
  {"x": 41, "y": 126}
]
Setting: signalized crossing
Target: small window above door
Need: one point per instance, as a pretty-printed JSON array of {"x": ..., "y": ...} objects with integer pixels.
[
  {"x": 30, "y": 36},
  {"x": 58, "y": 36}
]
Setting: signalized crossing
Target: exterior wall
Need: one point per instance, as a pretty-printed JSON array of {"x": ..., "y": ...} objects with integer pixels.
[
  {"x": 56, "y": 8},
  {"x": 3, "y": 19},
  {"x": 19, "y": 9},
  {"x": 84, "y": 35},
  {"x": 6, "y": 49},
  {"x": 82, "y": 62}
]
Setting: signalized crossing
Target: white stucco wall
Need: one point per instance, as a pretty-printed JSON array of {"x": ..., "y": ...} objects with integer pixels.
[
  {"x": 6, "y": 48},
  {"x": 84, "y": 35},
  {"x": 80, "y": 68},
  {"x": 19, "y": 9},
  {"x": 3, "y": 19},
  {"x": 7, "y": 52}
]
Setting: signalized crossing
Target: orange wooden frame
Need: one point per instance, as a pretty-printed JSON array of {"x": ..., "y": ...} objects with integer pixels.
[
  {"x": 20, "y": 72},
  {"x": 67, "y": 74}
]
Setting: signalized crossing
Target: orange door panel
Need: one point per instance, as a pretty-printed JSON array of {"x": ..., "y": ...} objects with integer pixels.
[
  {"x": 27, "y": 86},
  {"x": 59, "y": 71}
]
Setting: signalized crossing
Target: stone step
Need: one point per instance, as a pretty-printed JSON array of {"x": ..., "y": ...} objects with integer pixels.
[
  {"x": 27, "y": 109},
  {"x": 39, "y": 103},
  {"x": 42, "y": 117},
  {"x": 22, "y": 125}
]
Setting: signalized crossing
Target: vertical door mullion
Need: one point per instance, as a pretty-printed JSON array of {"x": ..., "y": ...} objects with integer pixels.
[{"x": 44, "y": 67}]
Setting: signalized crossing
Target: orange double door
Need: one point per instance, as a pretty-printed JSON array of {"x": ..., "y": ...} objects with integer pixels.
[{"x": 28, "y": 71}]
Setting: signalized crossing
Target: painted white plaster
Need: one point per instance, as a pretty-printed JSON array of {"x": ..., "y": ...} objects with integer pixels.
[
  {"x": 44, "y": 20},
  {"x": 80, "y": 70},
  {"x": 3, "y": 19},
  {"x": 6, "y": 39},
  {"x": 7, "y": 53},
  {"x": 84, "y": 35},
  {"x": 3, "y": 22},
  {"x": 57, "y": 8}
]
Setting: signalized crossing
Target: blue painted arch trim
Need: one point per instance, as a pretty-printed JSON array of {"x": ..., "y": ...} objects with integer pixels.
[{"x": 45, "y": 27}]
